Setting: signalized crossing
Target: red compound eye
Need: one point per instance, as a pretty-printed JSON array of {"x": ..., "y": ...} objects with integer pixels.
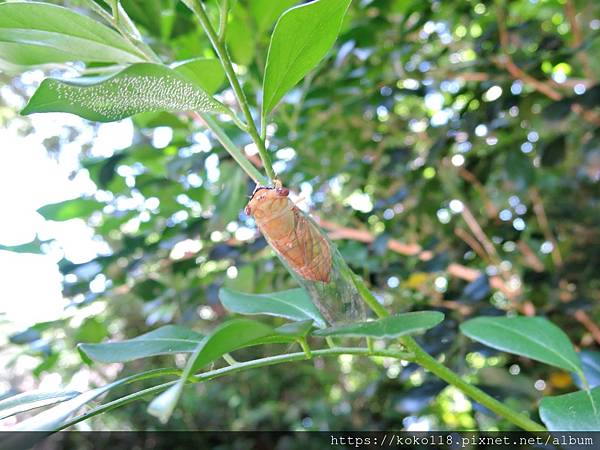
[
  {"x": 283, "y": 192},
  {"x": 248, "y": 210}
]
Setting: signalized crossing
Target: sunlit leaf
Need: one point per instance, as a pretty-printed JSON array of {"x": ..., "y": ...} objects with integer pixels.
[
  {"x": 166, "y": 340},
  {"x": 139, "y": 88},
  {"x": 206, "y": 73},
  {"x": 388, "y": 327},
  {"x": 302, "y": 37},
  {"x": 227, "y": 337},
  {"x": 533, "y": 337},
  {"x": 578, "y": 411},
  {"x": 294, "y": 304},
  {"x": 266, "y": 12},
  {"x": 70, "y": 209},
  {"x": 37, "y": 33},
  {"x": 27, "y": 401},
  {"x": 590, "y": 361}
]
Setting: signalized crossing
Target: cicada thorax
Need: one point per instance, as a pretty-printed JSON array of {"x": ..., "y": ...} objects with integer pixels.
[{"x": 291, "y": 234}]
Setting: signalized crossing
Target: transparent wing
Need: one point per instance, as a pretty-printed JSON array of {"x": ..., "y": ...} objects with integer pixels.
[{"x": 308, "y": 255}]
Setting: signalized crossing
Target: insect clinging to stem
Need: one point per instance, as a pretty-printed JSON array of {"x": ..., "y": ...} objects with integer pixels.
[
  {"x": 290, "y": 233},
  {"x": 303, "y": 247}
]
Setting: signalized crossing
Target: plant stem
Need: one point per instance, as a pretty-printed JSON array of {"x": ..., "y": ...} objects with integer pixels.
[
  {"x": 198, "y": 8},
  {"x": 229, "y": 359},
  {"x": 428, "y": 362},
  {"x": 239, "y": 367},
  {"x": 425, "y": 360},
  {"x": 232, "y": 149},
  {"x": 367, "y": 296},
  {"x": 223, "y": 19},
  {"x": 221, "y": 136},
  {"x": 305, "y": 347}
]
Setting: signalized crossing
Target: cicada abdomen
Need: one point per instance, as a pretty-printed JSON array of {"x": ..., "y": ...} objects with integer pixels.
[{"x": 305, "y": 250}]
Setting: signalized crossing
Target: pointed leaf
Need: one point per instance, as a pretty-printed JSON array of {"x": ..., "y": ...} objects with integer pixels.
[
  {"x": 288, "y": 333},
  {"x": 302, "y": 37},
  {"x": 163, "y": 405},
  {"x": 266, "y": 12},
  {"x": 38, "y": 33},
  {"x": 138, "y": 88},
  {"x": 30, "y": 247},
  {"x": 166, "y": 340},
  {"x": 533, "y": 337},
  {"x": 206, "y": 73},
  {"x": 54, "y": 418},
  {"x": 241, "y": 38},
  {"x": 294, "y": 304},
  {"x": 590, "y": 360},
  {"x": 388, "y": 327},
  {"x": 27, "y": 401},
  {"x": 229, "y": 336},
  {"x": 70, "y": 209},
  {"x": 578, "y": 411}
]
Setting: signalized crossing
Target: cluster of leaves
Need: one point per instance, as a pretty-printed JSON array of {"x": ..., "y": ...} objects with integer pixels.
[{"x": 413, "y": 130}]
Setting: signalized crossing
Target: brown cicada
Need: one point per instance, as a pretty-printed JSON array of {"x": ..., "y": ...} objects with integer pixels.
[{"x": 306, "y": 251}]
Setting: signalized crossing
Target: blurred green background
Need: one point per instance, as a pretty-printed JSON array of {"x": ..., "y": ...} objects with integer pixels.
[{"x": 451, "y": 149}]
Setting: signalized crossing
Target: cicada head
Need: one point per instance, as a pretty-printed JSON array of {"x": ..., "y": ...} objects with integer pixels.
[{"x": 268, "y": 202}]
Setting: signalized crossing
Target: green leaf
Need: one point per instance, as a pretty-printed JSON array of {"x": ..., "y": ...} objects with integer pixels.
[
  {"x": 138, "y": 88},
  {"x": 294, "y": 304},
  {"x": 266, "y": 12},
  {"x": 164, "y": 404},
  {"x": 27, "y": 401},
  {"x": 287, "y": 333},
  {"x": 30, "y": 247},
  {"x": 302, "y": 37},
  {"x": 241, "y": 38},
  {"x": 578, "y": 411},
  {"x": 52, "y": 419},
  {"x": 145, "y": 12},
  {"x": 207, "y": 73},
  {"x": 229, "y": 336},
  {"x": 38, "y": 33},
  {"x": 166, "y": 340},
  {"x": 388, "y": 327},
  {"x": 590, "y": 360},
  {"x": 70, "y": 209},
  {"x": 533, "y": 337}
]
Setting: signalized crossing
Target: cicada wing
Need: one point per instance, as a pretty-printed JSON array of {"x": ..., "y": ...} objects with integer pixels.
[
  {"x": 315, "y": 251},
  {"x": 316, "y": 264}
]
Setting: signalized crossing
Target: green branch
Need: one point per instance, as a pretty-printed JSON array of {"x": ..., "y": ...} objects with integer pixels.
[
  {"x": 232, "y": 149},
  {"x": 417, "y": 354},
  {"x": 224, "y": 11},
  {"x": 238, "y": 367},
  {"x": 150, "y": 56},
  {"x": 198, "y": 8},
  {"x": 425, "y": 360}
]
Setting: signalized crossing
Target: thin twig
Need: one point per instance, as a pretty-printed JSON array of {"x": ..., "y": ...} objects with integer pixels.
[
  {"x": 540, "y": 214},
  {"x": 577, "y": 40},
  {"x": 197, "y": 8},
  {"x": 476, "y": 229},
  {"x": 472, "y": 243},
  {"x": 223, "y": 13},
  {"x": 588, "y": 323},
  {"x": 531, "y": 259},
  {"x": 468, "y": 176},
  {"x": 547, "y": 88}
]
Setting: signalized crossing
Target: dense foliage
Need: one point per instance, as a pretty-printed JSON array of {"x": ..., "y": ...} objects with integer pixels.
[{"x": 450, "y": 149}]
